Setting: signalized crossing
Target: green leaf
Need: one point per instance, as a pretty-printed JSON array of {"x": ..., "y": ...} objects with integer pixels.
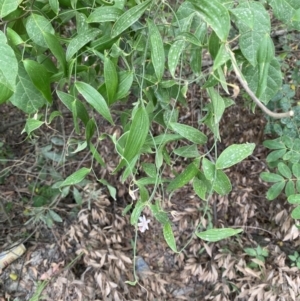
[
  {"x": 31, "y": 125},
  {"x": 129, "y": 18},
  {"x": 213, "y": 235},
  {"x": 75, "y": 177},
  {"x": 126, "y": 209},
  {"x": 294, "y": 199},
  {"x": 284, "y": 170},
  {"x": 275, "y": 155},
  {"x": 189, "y": 133},
  {"x": 222, "y": 57},
  {"x": 215, "y": 15},
  {"x": 169, "y": 236},
  {"x": 158, "y": 213},
  {"x": 275, "y": 190},
  {"x": 200, "y": 188},
  {"x": 189, "y": 37},
  {"x": 286, "y": 11},
  {"x": 13, "y": 37},
  {"x": 209, "y": 169},
  {"x": 125, "y": 83},
  {"x": 174, "y": 54},
  {"x": 149, "y": 169},
  {"x": 296, "y": 213},
  {"x": 289, "y": 188},
  {"x": 265, "y": 54},
  {"x": 221, "y": 183},
  {"x": 54, "y": 4},
  {"x": 70, "y": 102},
  {"x": 163, "y": 139},
  {"x": 55, "y": 216},
  {"x": 8, "y": 6},
  {"x": 96, "y": 155},
  {"x": 95, "y": 99},
  {"x": 196, "y": 60},
  {"x": 253, "y": 22},
  {"x": 274, "y": 144},
  {"x": 213, "y": 45},
  {"x": 296, "y": 170},
  {"x": 8, "y": 69},
  {"x": 137, "y": 134},
  {"x": 189, "y": 151},
  {"x": 136, "y": 213},
  {"x": 271, "y": 177},
  {"x": 274, "y": 79},
  {"x": 40, "y": 77},
  {"x": 251, "y": 252},
  {"x": 104, "y": 14},
  {"x": 157, "y": 49},
  {"x": 90, "y": 130},
  {"x": 111, "y": 79},
  {"x": 183, "y": 178},
  {"x": 218, "y": 104},
  {"x": 81, "y": 40},
  {"x": 36, "y": 26},
  {"x": 57, "y": 50},
  {"x": 27, "y": 98},
  {"x": 234, "y": 154}
]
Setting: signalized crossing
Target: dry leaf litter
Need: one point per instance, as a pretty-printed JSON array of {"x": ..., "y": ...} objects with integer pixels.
[{"x": 91, "y": 256}]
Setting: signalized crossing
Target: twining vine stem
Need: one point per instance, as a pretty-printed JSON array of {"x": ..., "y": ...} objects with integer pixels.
[{"x": 251, "y": 94}]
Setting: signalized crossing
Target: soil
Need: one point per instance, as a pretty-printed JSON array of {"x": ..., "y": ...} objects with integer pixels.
[{"x": 90, "y": 256}]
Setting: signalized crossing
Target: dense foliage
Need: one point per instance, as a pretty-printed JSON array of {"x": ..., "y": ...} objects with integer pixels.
[{"x": 90, "y": 54}]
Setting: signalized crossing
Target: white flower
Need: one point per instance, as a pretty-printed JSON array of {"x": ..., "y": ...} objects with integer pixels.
[{"x": 143, "y": 224}]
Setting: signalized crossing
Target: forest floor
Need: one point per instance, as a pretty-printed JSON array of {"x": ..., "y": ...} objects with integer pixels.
[{"x": 89, "y": 256}]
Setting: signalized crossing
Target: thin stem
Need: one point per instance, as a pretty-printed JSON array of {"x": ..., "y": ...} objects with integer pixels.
[{"x": 251, "y": 94}]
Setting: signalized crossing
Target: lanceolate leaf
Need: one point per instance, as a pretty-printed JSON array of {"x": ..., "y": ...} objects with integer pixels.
[
  {"x": 157, "y": 49},
  {"x": 75, "y": 177},
  {"x": 136, "y": 213},
  {"x": 234, "y": 154},
  {"x": 169, "y": 236},
  {"x": 200, "y": 188},
  {"x": 80, "y": 40},
  {"x": 137, "y": 134},
  {"x": 104, "y": 14},
  {"x": 111, "y": 79},
  {"x": 128, "y": 18},
  {"x": 215, "y": 15},
  {"x": 221, "y": 183},
  {"x": 70, "y": 102},
  {"x": 218, "y": 104},
  {"x": 125, "y": 82},
  {"x": 214, "y": 235},
  {"x": 40, "y": 77},
  {"x": 189, "y": 133},
  {"x": 95, "y": 99},
  {"x": 183, "y": 178},
  {"x": 57, "y": 50},
  {"x": 174, "y": 55}
]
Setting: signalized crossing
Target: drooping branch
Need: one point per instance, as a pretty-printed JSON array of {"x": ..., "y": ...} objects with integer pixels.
[{"x": 250, "y": 92}]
